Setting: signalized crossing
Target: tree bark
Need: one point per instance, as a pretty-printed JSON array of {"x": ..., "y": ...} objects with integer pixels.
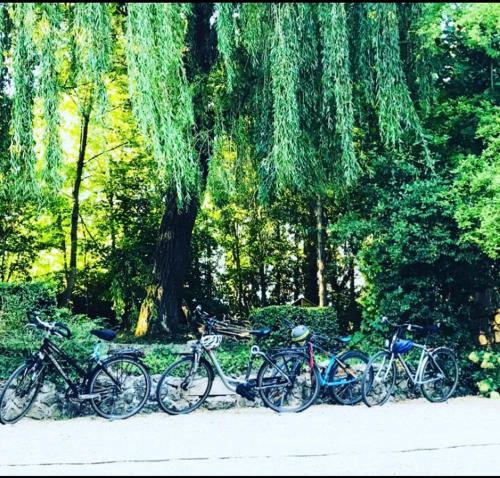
[
  {"x": 310, "y": 268},
  {"x": 171, "y": 263},
  {"x": 321, "y": 253},
  {"x": 75, "y": 213}
]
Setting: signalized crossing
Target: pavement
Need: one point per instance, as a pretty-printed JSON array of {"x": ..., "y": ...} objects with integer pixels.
[{"x": 414, "y": 437}]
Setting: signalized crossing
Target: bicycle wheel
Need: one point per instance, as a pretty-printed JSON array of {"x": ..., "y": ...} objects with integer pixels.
[
  {"x": 378, "y": 379},
  {"x": 123, "y": 386},
  {"x": 346, "y": 377},
  {"x": 291, "y": 384},
  {"x": 440, "y": 375},
  {"x": 20, "y": 392},
  {"x": 183, "y": 387}
]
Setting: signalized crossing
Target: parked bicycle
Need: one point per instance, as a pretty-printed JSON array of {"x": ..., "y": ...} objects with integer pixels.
[
  {"x": 341, "y": 375},
  {"x": 286, "y": 381},
  {"x": 117, "y": 386},
  {"x": 436, "y": 374}
]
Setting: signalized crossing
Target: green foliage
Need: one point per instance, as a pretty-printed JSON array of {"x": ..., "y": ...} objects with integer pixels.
[
  {"x": 159, "y": 358},
  {"x": 337, "y": 86},
  {"x": 49, "y": 91},
  {"x": 487, "y": 372},
  {"x": 93, "y": 42},
  {"x": 160, "y": 93},
  {"x": 22, "y": 167},
  {"x": 322, "y": 320},
  {"x": 17, "y": 341}
]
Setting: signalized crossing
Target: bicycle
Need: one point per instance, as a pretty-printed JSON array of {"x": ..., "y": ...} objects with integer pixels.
[
  {"x": 285, "y": 381},
  {"x": 436, "y": 375},
  {"x": 341, "y": 377},
  {"x": 116, "y": 386}
]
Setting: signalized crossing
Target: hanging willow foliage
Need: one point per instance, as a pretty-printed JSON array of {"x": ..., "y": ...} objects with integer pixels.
[
  {"x": 49, "y": 92},
  {"x": 423, "y": 63},
  {"x": 160, "y": 92},
  {"x": 396, "y": 111},
  {"x": 3, "y": 36},
  {"x": 227, "y": 38},
  {"x": 337, "y": 88},
  {"x": 22, "y": 146},
  {"x": 282, "y": 167},
  {"x": 92, "y": 31}
]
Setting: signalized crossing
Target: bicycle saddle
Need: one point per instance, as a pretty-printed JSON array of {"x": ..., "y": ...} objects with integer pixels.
[
  {"x": 104, "y": 334},
  {"x": 262, "y": 332},
  {"x": 345, "y": 339}
]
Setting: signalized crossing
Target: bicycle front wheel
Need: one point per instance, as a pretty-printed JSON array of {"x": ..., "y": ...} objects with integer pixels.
[
  {"x": 379, "y": 379},
  {"x": 20, "y": 392},
  {"x": 184, "y": 386},
  {"x": 289, "y": 383},
  {"x": 440, "y": 375},
  {"x": 122, "y": 385},
  {"x": 345, "y": 377}
]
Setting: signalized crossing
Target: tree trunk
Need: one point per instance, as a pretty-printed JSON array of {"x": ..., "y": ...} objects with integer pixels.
[
  {"x": 237, "y": 261},
  {"x": 173, "y": 247},
  {"x": 76, "y": 212},
  {"x": 172, "y": 262},
  {"x": 310, "y": 268},
  {"x": 321, "y": 253}
]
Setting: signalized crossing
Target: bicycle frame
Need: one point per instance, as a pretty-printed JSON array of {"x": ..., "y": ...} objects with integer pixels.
[
  {"x": 232, "y": 383},
  {"x": 324, "y": 373},
  {"x": 51, "y": 351},
  {"x": 416, "y": 379}
]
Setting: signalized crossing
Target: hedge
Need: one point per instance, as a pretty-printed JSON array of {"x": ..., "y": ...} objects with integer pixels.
[{"x": 322, "y": 320}]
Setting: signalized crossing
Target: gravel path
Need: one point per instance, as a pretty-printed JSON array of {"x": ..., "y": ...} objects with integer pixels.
[{"x": 413, "y": 437}]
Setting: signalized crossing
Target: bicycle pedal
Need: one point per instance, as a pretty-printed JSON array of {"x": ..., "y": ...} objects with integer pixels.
[{"x": 89, "y": 396}]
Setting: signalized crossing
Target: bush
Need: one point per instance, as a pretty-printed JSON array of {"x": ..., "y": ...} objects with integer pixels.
[
  {"x": 487, "y": 373},
  {"x": 322, "y": 320},
  {"x": 17, "y": 341}
]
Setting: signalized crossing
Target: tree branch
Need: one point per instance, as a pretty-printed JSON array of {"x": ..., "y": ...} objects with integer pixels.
[{"x": 107, "y": 151}]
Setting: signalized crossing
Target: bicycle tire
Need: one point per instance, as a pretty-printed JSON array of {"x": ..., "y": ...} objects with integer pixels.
[
  {"x": 368, "y": 390},
  {"x": 127, "y": 395},
  {"x": 297, "y": 360},
  {"x": 427, "y": 388},
  {"x": 25, "y": 367},
  {"x": 173, "y": 406},
  {"x": 349, "y": 394}
]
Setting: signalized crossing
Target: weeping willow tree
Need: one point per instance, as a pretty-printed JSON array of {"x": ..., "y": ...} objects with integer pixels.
[
  {"x": 323, "y": 76},
  {"x": 170, "y": 55},
  {"x": 296, "y": 87}
]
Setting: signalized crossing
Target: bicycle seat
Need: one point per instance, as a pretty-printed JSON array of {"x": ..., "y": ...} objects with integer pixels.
[
  {"x": 262, "y": 332},
  {"x": 344, "y": 339},
  {"x": 104, "y": 334}
]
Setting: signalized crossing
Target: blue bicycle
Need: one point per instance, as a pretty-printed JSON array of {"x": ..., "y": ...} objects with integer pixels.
[{"x": 341, "y": 376}]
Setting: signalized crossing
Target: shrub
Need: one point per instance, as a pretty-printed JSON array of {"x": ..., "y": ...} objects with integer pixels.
[
  {"x": 17, "y": 341},
  {"x": 487, "y": 373},
  {"x": 159, "y": 358},
  {"x": 322, "y": 320}
]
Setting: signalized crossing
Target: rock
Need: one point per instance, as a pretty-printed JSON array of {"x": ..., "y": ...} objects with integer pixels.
[{"x": 221, "y": 402}]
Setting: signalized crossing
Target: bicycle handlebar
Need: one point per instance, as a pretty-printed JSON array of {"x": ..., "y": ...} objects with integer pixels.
[
  {"x": 409, "y": 327},
  {"x": 54, "y": 328}
]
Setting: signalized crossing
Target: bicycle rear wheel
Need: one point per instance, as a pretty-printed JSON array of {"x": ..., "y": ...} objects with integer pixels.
[
  {"x": 20, "y": 392},
  {"x": 183, "y": 387},
  {"x": 290, "y": 384},
  {"x": 379, "y": 379},
  {"x": 347, "y": 376},
  {"x": 440, "y": 375},
  {"x": 123, "y": 386}
]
